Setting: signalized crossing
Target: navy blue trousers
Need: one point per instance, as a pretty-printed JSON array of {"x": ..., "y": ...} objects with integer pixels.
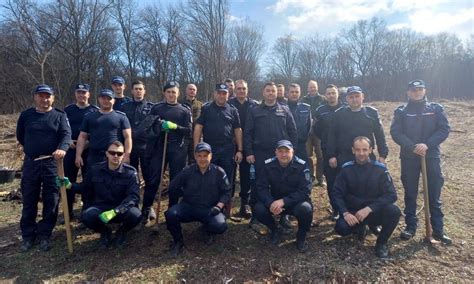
[
  {"x": 185, "y": 213},
  {"x": 175, "y": 157},
  {"x": 39, "y": 178},
  {"x": 411, "y": 169},
  {"x": 303, "y": 212},
  {"x": 387, "y": 217}
]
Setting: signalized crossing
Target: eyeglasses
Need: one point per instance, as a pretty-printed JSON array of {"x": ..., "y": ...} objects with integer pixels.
[{"x": 115, "y": 153}]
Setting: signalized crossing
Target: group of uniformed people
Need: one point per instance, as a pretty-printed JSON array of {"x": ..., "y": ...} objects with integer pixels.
[{"x": 272, "y": 143}]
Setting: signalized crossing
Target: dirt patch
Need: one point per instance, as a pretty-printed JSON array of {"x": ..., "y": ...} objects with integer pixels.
[{"x": 241, "y": 255}]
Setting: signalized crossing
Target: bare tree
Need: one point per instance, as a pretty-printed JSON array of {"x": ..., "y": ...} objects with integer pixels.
[{"x": 283, "y": 60}]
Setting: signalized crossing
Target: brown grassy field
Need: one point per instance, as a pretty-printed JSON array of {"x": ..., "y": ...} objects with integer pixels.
[{"x": 241, "y": 255}]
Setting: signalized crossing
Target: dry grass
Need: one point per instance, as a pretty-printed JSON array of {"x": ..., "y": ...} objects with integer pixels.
[{"x": 244, "y": 256}]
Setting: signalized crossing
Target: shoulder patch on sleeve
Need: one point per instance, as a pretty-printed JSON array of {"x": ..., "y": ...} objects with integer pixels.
[
  {"x": 348, "y": 164},
  {"x": 380, "y": 165},
  {"x": 300, "y": 161},
  {"x": 307, "y": 175},
  {"x": 267, "y": 161}
]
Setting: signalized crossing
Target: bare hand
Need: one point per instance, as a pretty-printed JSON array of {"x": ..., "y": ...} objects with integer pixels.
[
  {"x": 126, "y": 158},
  {"x": 363, "y": 213},
  {"x": 420, "y": 149},
  {"x": 79, "y": 162},
  {"x": 277, "y": 206},
  {"x": 73, "y": 145},
  {"x": 351, "y": 219},
  {"x": 220, "y": 205},
  {"x": 250, "y": 159},
  {"x": 381, "y": 160},
  {"x": 238, "y": 157},
  {"x": 333, "y": 162},
  {"x": 59, "y": 154}
]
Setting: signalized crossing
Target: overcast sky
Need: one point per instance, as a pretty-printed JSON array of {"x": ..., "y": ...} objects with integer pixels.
[{"x": 327, "y": 17}]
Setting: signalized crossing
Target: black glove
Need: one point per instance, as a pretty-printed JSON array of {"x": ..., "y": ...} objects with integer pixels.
[{"x": 215, "y": 210}]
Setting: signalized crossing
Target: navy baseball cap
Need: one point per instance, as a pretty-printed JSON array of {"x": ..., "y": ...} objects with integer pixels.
[
  {"x": 203, "y": 146},
  {"x": 170, "y": 84},
  {"x": 354, "y": 89},
  {"x": 221, "y": 87},
  {"x": 118, "y": 80},
  {"x": 284, "y": 143},
  {"x": 107, "y": 93},
  {"x": 43, "y": 88},
  {"x": 82, "y": 87},
  {"x": 416, "y": 84}
]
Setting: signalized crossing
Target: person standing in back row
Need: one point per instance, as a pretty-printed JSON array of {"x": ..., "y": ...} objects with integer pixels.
[
  {"x": 243, "y": 104},
  {"x": 419, "y": 127},
  {"x": 314, "y": 99},
  {"x": 75, "y": 114}
]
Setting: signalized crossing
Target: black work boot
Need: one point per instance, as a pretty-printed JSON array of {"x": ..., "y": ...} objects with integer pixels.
[
  {"x": 442, "y": 237},
  {"x": 276, "y": 236},
  {"x": 381, "y": 250},
  {"x": 176, "y": 248},
  {"x": 407, "y": 234},
  {"x": 334, "y": 215},
  {"x": 245, "y": 211},
  {"x": 301, "y": 244},
  {"x": 120, "y": 238},
  {"x": 44, "y": 244},
  {"x": 105, "y": 238},
  {"x": 26, "y": 245}
]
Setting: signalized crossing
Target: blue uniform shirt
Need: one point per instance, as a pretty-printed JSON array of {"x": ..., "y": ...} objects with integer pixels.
[
  {"x": 104, "y": 128},
  {"x": 76, "y": 115},
  {"x": 243, "y": 109},
  {"x": 322, "y": 122},
  {"x": 292, "y": 183},
  {"x": 107, "y": 189},
  {"x": 302, "y": 115},
  {"x": 200, "y": 190},
  {"x": 266, "y": 125},
  {"x": 218, "y": 123},
  {"x": 119, "y": 102},
  {"x": 136, "y": 112},
  {"x": 347, "y": 125},
  {"x": 177, "y": 113},
  {"x": 419, "y": 122},
  {"x": 358, "y": 186},
  {"x": 42, "y": 133}
]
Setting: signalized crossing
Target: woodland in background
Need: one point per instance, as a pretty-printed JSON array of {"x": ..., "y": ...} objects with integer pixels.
[{"x": 64, "y": 42}]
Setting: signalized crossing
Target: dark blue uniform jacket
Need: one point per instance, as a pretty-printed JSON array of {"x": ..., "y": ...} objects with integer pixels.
[
  {"x": 358, "y": 186},
  {"x": 292, "y": 183},
  {"x": 107, "y": 189},
  {"x": 419, "y": 122},
  {"x": 200, "y": 190}
]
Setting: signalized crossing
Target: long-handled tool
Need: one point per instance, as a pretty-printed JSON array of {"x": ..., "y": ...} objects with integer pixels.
[
  {"x": 428, "y": 228},
  {"x": 160, "y": 188},
  {"x": 60, "y": 167}
]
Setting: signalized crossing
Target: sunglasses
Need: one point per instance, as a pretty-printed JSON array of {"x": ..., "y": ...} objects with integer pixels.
[{"x": 115, "y": 153}]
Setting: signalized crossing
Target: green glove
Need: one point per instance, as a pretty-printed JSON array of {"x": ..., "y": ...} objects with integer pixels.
[
  {"x": 168, "y": 125},
  {"x": 106, "y": 216},
  {"x": 65, "y": 181}
]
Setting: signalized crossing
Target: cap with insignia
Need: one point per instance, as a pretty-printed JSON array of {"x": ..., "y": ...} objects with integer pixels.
[
  {"x": 354, "y": 89},
  {"x": 170, "y": 84},
  {"x": 106, "y": 93},
  {"x": 203, "y": 146},
  {"x": 82, "y": 87},
  {"x": 284, "y": 143},
  {"x": 44, "y": 89},
  {"x": 118, "y": 80},
  {"x": 416, "y": 84},
  {"x": 221, "y": 87}
]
